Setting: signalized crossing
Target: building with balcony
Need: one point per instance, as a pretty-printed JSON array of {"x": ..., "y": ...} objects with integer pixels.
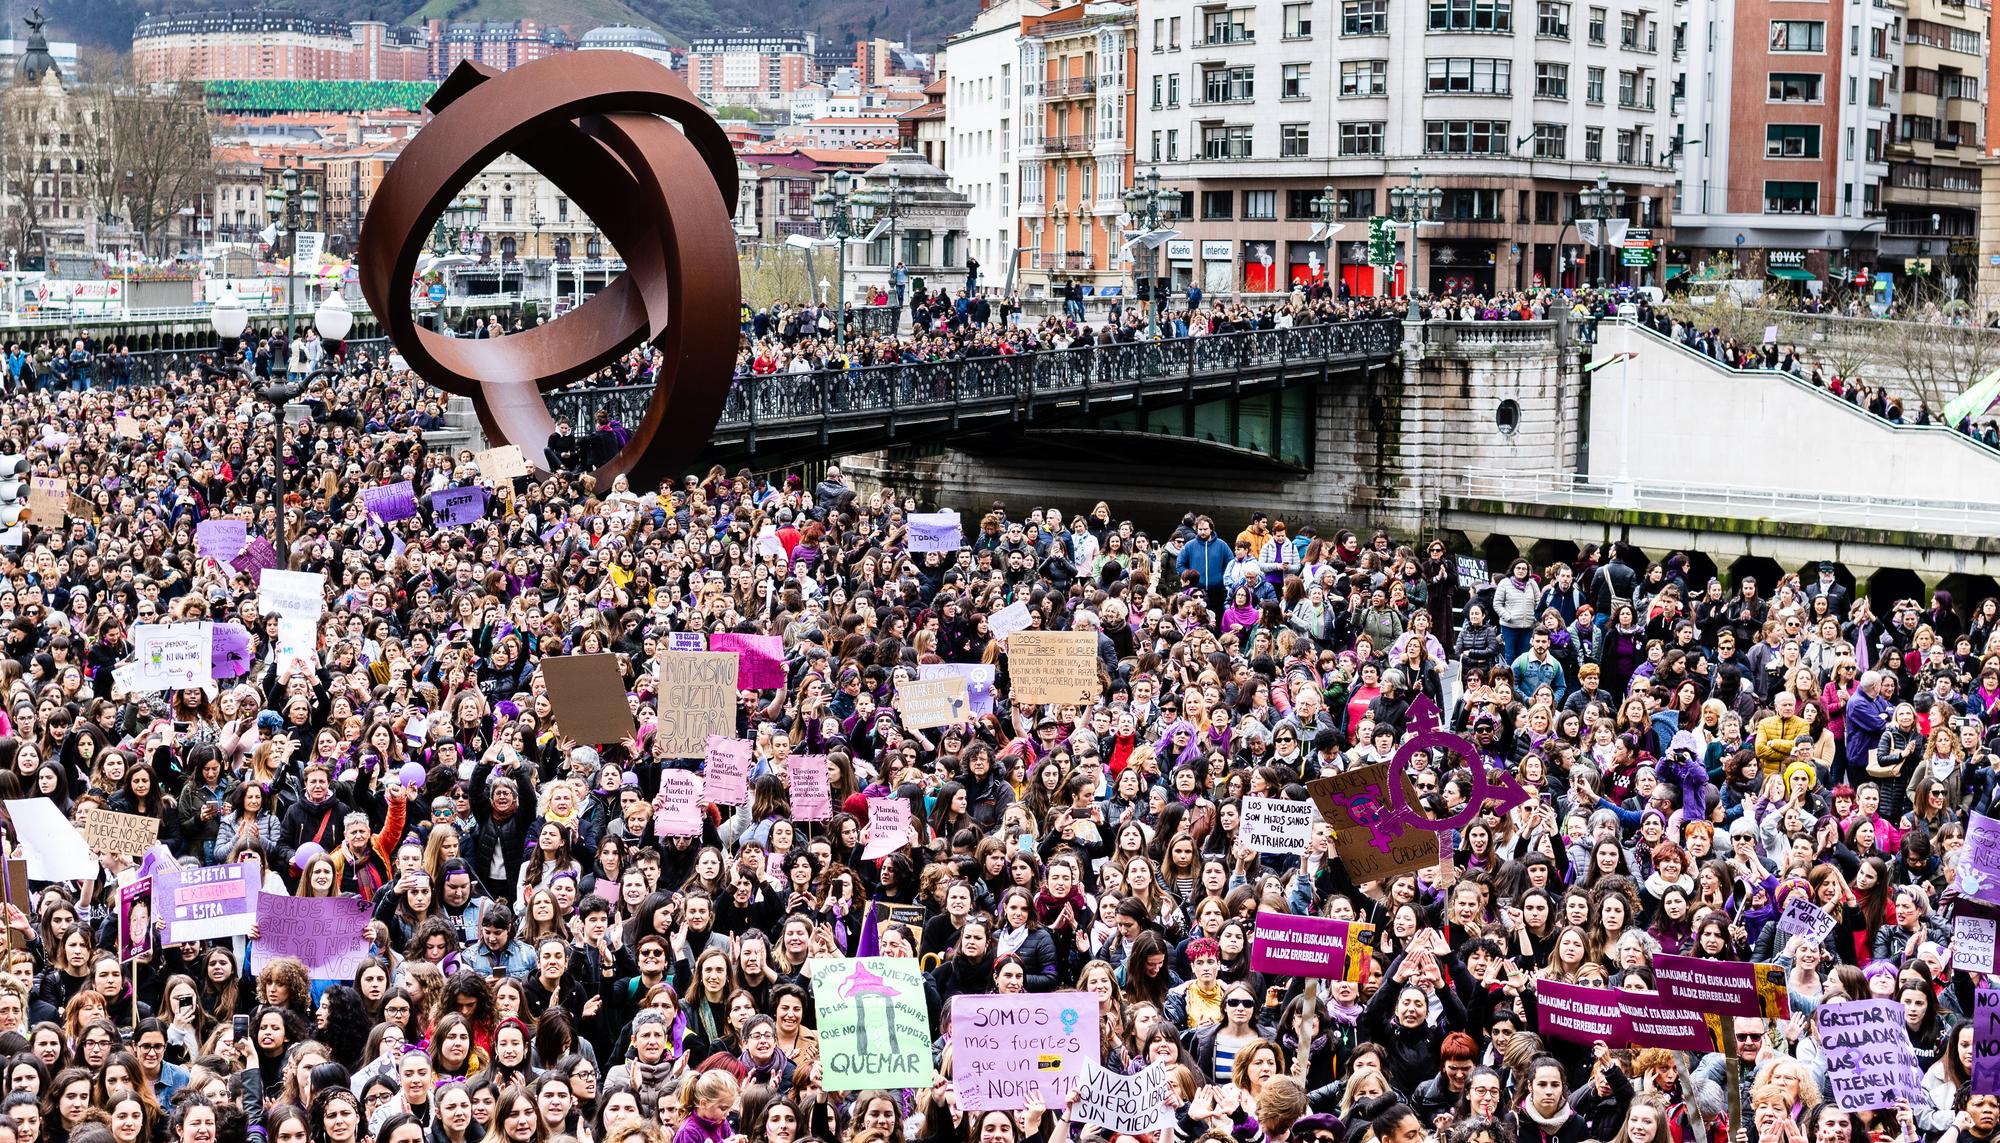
[
  {"x": 1255, "y": 108},
  {"x": 498, "y": 44},
  {"x": 1078, "y": 69},
  {"x": 253, "y": 44},
  {"x": 749, "y": 68},
  {"x": 983, "y": 109}
]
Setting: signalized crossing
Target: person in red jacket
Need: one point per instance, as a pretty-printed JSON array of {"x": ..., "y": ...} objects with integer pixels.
[{"x": 362, "y": 862}]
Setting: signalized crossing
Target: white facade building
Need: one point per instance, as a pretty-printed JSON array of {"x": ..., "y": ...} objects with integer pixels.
[{"x": 983, "y": 109}]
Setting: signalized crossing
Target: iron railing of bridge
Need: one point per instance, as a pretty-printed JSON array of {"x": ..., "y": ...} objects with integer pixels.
[
  {"x": 150, "y": 367},
  {"x": 920, "y": 387}
]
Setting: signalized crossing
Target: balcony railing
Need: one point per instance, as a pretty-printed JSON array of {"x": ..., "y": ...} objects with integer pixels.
[
  {"x": 1071, "y": 261},
  {"x": 1070, "y": 86}
]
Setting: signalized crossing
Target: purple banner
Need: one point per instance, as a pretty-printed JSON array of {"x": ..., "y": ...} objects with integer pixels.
[
  {"x": 1653, "y": 1021},
  {"x": 389, "y": 502},
  {"x": 229, "y": 650},
  {"x": 760, "y": 659},
  {"x": 1986, "y": 1040},
  {"x": 201, "y": 903},
  {"x": 256, "y": 556},
  {"x": 221, "y": 539},
  {"x": 1004, "y": 1047},
  {"x": 330, "y": 934},
  {"x": 1579, "y": 1014},
  {"x": 1316, "y": 947},
  {"x": 457, "y": 507},
  {"x": 1726, "y": 988}
]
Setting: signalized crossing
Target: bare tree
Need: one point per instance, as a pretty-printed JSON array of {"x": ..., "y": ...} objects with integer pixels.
[
  {"x": 1936, "y": 362},
  {"x": 161, "y": 158}
]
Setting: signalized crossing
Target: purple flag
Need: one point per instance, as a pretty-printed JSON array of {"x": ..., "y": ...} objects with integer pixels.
[
  {"x": 229, "y": 650},
  {"x": 257, "y": 555},
  {"x": 760, "y": 662},
  {"x": 389, "y": 502},
  {"x": 221, "y": 539},
  {"x": 456, "y": 507}
]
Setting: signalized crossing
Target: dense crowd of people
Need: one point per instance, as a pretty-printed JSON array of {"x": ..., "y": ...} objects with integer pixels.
[{"x": 546, "y": 964}]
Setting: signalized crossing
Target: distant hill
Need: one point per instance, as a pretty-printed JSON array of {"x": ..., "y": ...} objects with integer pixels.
[{"x": 107, "y": 24}]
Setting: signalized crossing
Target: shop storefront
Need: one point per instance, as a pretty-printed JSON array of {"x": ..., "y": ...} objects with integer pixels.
[
  {"x": 1459, "y": 267},
  {"x": 1218, "y": 267},
  {"x": 1180, "y": 263},
  {"x": 1789, "y": 269},
  {"x": 1307, "y": 263},
  {"x": 1260, "y": 267},
  {"x": 1358, "y": 279}
]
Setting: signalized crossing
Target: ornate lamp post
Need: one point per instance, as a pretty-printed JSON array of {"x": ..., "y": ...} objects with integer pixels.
[
  {"x": 1148, "y": 203},
  {"x": 1414, "y": 205},
  {"x": 843, "y": 214},
  {"x": 1602, "y": 203},
  {"x": 291, "y": 208}
]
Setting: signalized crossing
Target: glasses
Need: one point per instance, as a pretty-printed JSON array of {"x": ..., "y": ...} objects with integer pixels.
[
  {"x": 1240, "y": 1002},
  {"x": 151, "y": 1048}
]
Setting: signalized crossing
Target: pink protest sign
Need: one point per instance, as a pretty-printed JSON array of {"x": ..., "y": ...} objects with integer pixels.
[
  {"x": 888, "y": 827},
  {"x": 1579, "y": 1014},
  {"x": 760, "y": 662},
  {"x": 1316, "y": 947},
  {"x": 812, "y": 795},
  {"x": 1656, "y": 1022},
  {"x": 1005, "y": 1047},
  {"x": 1726, "y": 988},
  {"x": 680, "y": 804},
  {"x": 206, "y": 902},
  {"x": 229, "y": 650},
  {"x": 725, "y": 770}
]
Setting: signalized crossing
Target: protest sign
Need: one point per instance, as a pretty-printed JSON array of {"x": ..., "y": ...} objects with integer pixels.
[
  {"x": 697, "y": 700},
  {"x": 935, "y": 531},
  {"x": 125, "y": 425},
  {"x": 202, "y": 903},
  {"x": 1348, "y": 802},
  {"x": 228, "y": 650},
  {"x": 297, "y": 648},
  {"x": 1802, "y": 917},
  {"x": 221, "y": 539},
  {"x": 329, "y": 934},
  {"x": 503, "y": 463},
  {"x": 126, "y": 835},
  {"x": 1314, "y": 947},
  {"x": 1979, "y": 869},
  {"x": 978, "y": 678},
  {"x": 812, "y": 795},
  {"x": 1579, "y": 1014},
  {"x": 45, "y": 836},
  {"x": 1986, "y": 1040},
  {"x": 1726, "y": 988},
  {"x": 1869, "y": 1061},
  {"x": 1122, "y": 1104},
  {"x": 680, "y": 804},
  {"x": 888, "y": 827},
  {"x": 174, "y": 656},
  {"x": 390, "y": 502},
  {"x": 686, "y": 641},
  {"x": 587, "y": 694},
  {"x": 1277, "y": 825},
  {"x": 891, "y": 913},
  {"x": 457, "y": 507},
  {"x": 725, "y": 770},
  {"x": 1054, "y": 667},
  {"x": 1009, "y": 619},
  {"x": 1653, "y": 1021},
  {"x": 48, "y": 500},
  {"x": 760, "y": 663},
  {"x": 1004, "y": 1047},
  {"x": 135, "y": 917},
  {"x": 257, "y": 556},
  {"x": 926, "y": 703},
  {"x": 1972, "y": 942},
  {"x": 81, "y": 507},
  {"x": 1471, "y": 572},
  {"x": 874, "y": 1025},
  {"x": 293, "y": 594}
]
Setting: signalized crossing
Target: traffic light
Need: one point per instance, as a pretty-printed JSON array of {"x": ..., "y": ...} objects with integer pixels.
[{"x": 13, "y": 494}]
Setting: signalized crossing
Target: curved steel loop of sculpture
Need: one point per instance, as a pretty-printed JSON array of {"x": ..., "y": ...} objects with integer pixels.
[{"x": 592, "y": 124}]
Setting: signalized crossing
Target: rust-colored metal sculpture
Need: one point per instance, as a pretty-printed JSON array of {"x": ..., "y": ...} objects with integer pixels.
[{"x": 592, "y": 123}]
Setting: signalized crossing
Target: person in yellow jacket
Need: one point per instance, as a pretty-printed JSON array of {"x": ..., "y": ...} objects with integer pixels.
[{"x": 1777, "y": 734}]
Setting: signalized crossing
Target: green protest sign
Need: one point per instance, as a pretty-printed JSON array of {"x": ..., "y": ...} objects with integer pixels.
[{"x": 874, "y": 1025}]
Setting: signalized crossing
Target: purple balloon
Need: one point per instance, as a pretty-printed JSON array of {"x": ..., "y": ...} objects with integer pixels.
[
  {"x": 305, "y": 853},
  {"x": 412, "y": 774}
]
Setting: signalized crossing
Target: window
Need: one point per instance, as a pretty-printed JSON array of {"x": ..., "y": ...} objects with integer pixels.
[
  {"x": 1637, "y": 33},
  {"x": 1228, "y": 84},
  {"x": 1628, "y": 146},
  {"x": 1786, "y": 197},
  {"x": 1173, "y": 144},
  {"x": 1551, "y": 141},
  {"x": 1174, "y": 34},
  {"x": 1469, "y": 76},
  {"x": 1466, "y": 205},
  {"x": 1593, "y": 85},
  {"x": 1466, "y": 137},
  {"x": 1357, "y": 203},
  {"x": 1364, "y": 77},
  {"x": 1635, "y": 90},
  {"x": 1597, "y": 25},
  {"x": 1220, "y": 142},
  {"x": 1230, "y": 27},
  {"x": 1791, "y": 141},
  {"x": 1294, "y": 140},
  {"x": 1802, "y": 87},
  {"x": 1160, "y": 35},
  {"x": 1174, "y": 90},
  {"x": 1260, "y": 205},
  {"x": 1218, "y": 204},
  {"x": 1298, "y": 21},
  {"x": 1552, "y": 19},
  {"x": 1471, "y": 15},
  {"x": 1551, "y": 81},
  {"x": 1545, "y": 207},
  {"x": 1158, "y": 81},
  {"x": 1593, "y": 144},
  {"x": 1361, "y": 138},
  {"x": 1798, "y": 35},
  {"x": 1364, "y": 17},
  {"x": 1296, "y": 81}
]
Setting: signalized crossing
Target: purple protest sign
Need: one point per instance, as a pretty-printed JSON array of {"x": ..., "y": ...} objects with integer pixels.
[
  {"x": 221, "y": 539},
  {"x": 1316, "y": 947},
  {"x": 1986, "y": 1040},
  {"x": 1726, "y": 988},
  {"x": 390, "y": 502},
  {"x": 760, "y": 659},
  {"x": 725, "y": 769},
  {"x": 329, "y": 934},
  {"x": 1579, "y": 1014},
  {"x": 201, "y": 903},
  {"x": 680, "y": 804},
  {"x": 1653, "y": 1021},
  {"x": 1979, "y": 870},
  {"x": 979, "y": 679},
  {"x": 135, "y": 917},
  {"x": 1005, "y": 1047},
  {"x": 812, "y": 794},
  {"x": 257, "y": 556},
  {"x": 228, "y": 650},
  {"x": 1869, "y": 1060},
  {"x": 457, "y": 507}
]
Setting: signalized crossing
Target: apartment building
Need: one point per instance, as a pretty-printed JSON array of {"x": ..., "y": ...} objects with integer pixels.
[{"x": 983, "y": 110}]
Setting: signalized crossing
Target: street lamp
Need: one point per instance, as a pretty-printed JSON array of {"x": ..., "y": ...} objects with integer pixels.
[
  {"x": 1326, "y": 207},
  {"x": 843, "y": 214},
  {"x": 1414, "y": 205},
  {"x": 1149, "y": 203},
  {"x": 1602, "y": 203},
  {"x": 292, "y": 208},
  {"x": 890, "y": 203},
  {"x": 453, "y": 222}
]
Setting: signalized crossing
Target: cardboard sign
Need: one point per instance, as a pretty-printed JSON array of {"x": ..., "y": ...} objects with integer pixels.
[
  {"x": 697, "y": 700},
  {"x": 457, "y": 507},
  {"x": 1277, "y": 825},
  {"x": 979, "y": 679},
  {"x": 874, "y": 1024},
  {"x": 935, "y": 531},
  {"x": 587, "y": 693},
  {"x": 390, "y": 502},
  {"x": 1346, "y": 801},
  {"x": 926, "y": 703},
  {"x": 1054, "y": 667},
  {"x": 1315, "y": 947},
  {"x": 126, "y": 835},
  {"x": 49, "y": 842},
  {"x": 1125, "y": 1105},
  {"x": 503, "y": 463},
  {"x": 680, "y": 806},
  {"x": 206, "y": 902},
  {"x": 125, "y": 426},
  {"x": 1804, "y": 918},
  {"x": 1726, "y": 988},
  {"x": 1009, "y": 619},
  {"x": 725, "y": 770},
  {"x": 81, "y": 507},
  {"x": 1005, "y": 1047},
  {"x": 891, "y": 913},
  {"x": 48, "y": 500},
  {"x": 760, "y": 663},
  {"x": 1869, "y": 1061},
  {"x": 812, "y": 794},
  {"x": 328, "y": 934},
  {"x": 888, "y": 827},
  {"x": 221, "y": 539}
]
